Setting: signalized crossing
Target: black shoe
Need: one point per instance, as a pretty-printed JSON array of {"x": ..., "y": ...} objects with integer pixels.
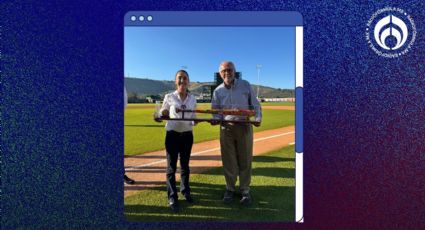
[
  {"x": 127, "y": 180},
  {"x": 174, "y": 204},
  {"x": 246, "y": 199},
  {"x": 228, "y": 197},
  {"x": 188, "y": 197}
]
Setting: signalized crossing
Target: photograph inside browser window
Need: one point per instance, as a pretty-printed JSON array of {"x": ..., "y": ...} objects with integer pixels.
[{"x": 209, "y": 122}]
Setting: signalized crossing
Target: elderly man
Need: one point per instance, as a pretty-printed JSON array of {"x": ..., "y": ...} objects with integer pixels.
[{"x": 236, "y": 139}]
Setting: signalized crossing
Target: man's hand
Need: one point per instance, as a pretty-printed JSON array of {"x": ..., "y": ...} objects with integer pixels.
[
  {"x": 257, "y": 123},
  {"x": 214, "y": 122}
]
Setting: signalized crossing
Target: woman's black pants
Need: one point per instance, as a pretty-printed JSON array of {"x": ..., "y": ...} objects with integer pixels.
[{"x": 178, "y": 144}]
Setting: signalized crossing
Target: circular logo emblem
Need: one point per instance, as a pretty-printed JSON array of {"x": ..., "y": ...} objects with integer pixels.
[{"x": 390, "y": 32}]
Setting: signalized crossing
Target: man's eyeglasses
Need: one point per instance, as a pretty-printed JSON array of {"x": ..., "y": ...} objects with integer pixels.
[{"x": 227, "y": 70}]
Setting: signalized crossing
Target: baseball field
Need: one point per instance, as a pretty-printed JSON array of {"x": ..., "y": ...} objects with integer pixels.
[{"x": 273, "y": 178}]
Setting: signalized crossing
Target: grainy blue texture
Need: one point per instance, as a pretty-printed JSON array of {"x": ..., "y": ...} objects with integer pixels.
[{"x": 62, "y": 126}]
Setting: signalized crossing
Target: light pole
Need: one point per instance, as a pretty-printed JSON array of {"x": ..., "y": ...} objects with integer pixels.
[{"x": 258, "y": 78}]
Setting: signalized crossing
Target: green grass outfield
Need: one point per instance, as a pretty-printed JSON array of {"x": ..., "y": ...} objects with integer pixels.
[
  {"x": 142, "y": 134},
  {"x": 272, "y": 190},
  {"x": 278, "y": 103}
]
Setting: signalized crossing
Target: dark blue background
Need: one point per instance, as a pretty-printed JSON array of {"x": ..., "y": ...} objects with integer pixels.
[{"x": 62, "y": 118}]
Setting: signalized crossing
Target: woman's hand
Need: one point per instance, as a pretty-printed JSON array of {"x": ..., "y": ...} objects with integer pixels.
[{"x": 165, "y": 113}]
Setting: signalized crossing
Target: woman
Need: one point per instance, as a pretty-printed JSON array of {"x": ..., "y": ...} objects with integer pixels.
[{"x": 179, "y": 137}]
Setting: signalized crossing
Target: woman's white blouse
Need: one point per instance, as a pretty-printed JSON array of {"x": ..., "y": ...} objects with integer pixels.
[{"x": 173, "y": 101}]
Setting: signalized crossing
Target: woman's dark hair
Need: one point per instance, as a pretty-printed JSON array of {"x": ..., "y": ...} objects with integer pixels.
[{"x": 182, "y": 71}]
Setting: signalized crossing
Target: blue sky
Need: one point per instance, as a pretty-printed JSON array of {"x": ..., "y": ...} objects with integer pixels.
[{"x": 158, "y": 52}]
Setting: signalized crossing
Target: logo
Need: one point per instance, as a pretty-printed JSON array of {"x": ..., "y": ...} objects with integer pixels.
[{"x": 390, "y": 32}]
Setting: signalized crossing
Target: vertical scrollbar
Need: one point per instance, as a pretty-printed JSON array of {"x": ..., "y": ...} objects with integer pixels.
[{"x": 299, "y": 201}]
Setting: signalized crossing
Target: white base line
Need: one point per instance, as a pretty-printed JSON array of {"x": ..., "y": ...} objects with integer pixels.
[
  {"x": 205, "y": 151},
  {"x": 278, "y": 135}
]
